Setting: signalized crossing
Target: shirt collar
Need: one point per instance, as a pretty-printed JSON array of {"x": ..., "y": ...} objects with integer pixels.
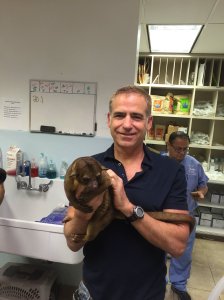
[{"x": 147, "y": 160}]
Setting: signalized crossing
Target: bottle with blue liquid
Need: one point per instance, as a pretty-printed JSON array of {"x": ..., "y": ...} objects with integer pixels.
[
  {"x": 51, "y": 171},
  {"x": 43, "y": 166}
]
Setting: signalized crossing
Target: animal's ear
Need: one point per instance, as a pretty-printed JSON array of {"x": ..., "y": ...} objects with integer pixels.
[{"x": 104, "y": 169}]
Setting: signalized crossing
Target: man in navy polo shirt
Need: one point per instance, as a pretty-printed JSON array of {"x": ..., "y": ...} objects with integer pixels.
[{"x": 127, "y": 259}]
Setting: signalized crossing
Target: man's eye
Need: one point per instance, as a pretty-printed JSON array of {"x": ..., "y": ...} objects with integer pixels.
[
  {"x": 119, "y": 116},
  {"x": 137, "y": 117}
]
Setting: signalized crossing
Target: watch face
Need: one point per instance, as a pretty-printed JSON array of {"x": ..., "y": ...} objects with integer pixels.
[{"x": 139, "y": 212}]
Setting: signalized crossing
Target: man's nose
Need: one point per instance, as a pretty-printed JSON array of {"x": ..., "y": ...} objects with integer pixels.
[{"x": 127, "y": 121}]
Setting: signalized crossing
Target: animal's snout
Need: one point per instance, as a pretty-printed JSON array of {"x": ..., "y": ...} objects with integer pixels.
[{"x": 93, "y": 184}]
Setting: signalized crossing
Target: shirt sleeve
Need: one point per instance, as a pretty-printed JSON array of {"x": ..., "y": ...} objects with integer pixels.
[
  {"x": 177, "y": 197},
  {"x": 202, "y": 177}
]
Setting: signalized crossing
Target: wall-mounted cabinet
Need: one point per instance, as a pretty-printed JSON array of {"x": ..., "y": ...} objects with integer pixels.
[{"x": 200, "y": 79}]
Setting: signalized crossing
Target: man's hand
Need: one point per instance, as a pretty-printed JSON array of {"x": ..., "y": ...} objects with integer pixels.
[
  {"x": 121, "y": 201},
  {"x": 198, "y": 195}
]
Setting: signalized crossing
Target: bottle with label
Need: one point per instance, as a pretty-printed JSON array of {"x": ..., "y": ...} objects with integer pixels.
[
  {"x": 43, "y": 166},
  {"x": 19, "y": 163}
]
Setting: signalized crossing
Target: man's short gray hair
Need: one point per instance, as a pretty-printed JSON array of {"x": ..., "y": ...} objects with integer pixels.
[{"x": 132, "y": 90}]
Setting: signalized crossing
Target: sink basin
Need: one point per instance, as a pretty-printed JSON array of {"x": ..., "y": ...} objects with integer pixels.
[{"x": 20, "y": 233}]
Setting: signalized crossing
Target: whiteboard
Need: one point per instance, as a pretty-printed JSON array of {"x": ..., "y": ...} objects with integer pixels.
[{"x": 70, "y": 107}]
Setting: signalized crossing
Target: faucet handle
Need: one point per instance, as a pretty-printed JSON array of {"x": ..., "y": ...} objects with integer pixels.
[
  {"x": 21, "y": 185},
  {"x": 44, "y": 187}
]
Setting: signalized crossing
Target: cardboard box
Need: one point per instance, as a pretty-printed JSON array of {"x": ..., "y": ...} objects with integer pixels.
[
  {"x": 171, "y": 129},
  {"x": 157, "y": 103},
  {"x": 159, "y": 132}
]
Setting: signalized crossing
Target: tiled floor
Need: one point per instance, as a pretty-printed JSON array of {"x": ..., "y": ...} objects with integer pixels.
[{"x": 207, "y": 269}]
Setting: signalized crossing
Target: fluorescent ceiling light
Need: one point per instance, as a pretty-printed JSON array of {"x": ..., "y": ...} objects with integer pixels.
[{"x": 173, "y": 38}]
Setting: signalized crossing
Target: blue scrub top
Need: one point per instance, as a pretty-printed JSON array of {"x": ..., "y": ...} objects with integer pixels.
[{"x": 196, "y": 178}]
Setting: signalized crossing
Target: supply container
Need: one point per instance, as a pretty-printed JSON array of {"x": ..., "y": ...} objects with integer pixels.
[
  {"x": 34, "y": 169},
  {"x": 63, "y": 169},
  {"x": 14, "y": 161},
  {"x": 51, "y": 171},
  {"x": 27, "y": 281},
  {"x": 43, "y": 166}
]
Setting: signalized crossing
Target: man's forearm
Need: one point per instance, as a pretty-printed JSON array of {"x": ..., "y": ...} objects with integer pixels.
[{"x": 75, "y": 228}]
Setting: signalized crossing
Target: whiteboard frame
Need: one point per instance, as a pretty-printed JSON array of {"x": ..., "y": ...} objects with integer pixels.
[{"x": 39, "y": 90}]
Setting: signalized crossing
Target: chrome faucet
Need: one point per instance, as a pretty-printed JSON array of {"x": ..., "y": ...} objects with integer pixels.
[{"x": 22, "y": 185}]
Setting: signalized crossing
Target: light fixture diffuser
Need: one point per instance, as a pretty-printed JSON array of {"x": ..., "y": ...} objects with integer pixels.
[{"x": 173, "y": 38}]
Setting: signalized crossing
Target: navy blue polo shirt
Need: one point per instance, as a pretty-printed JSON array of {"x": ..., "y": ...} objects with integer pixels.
[{"x": 120, "y": 264}]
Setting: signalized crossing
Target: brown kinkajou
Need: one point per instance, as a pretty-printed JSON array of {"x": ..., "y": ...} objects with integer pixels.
[{"x": 87, "y": 178}]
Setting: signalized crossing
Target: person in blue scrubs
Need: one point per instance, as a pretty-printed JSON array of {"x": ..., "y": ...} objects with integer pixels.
[
  {"x": 126, "y": 261},
  {"x": 177, "y": 146}
]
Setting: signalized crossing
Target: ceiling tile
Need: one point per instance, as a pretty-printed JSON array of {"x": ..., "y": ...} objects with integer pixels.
[
  {"x": 210, "y": 40},
  {"x": 176, "y": 11}
]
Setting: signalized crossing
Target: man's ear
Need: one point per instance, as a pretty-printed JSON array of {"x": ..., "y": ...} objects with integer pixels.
[
  {"x": 108, "y": 119},
  {"x": 149, "y": 123}
]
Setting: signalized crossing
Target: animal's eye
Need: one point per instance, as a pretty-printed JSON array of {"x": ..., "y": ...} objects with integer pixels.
[
  {"x": 98, "y": 177},
  {"x": 85, "y": 179}
]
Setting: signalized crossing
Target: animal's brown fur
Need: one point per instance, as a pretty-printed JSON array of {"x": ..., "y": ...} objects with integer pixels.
[{"x": 85, "y": 179}]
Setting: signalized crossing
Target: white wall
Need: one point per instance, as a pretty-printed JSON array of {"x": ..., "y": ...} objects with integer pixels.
[{"x": 75, "y": 40}]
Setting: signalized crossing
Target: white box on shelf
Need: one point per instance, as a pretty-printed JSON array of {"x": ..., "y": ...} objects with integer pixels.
[
  {"x": 218, "y": 221},
  {"x": 206, "y": 216},
  {"x": 221, "y": 199},
  {"x": 215, "y": 198},
  {"x": 204, "y": 222},
  {"x": 215, "y": 210}
]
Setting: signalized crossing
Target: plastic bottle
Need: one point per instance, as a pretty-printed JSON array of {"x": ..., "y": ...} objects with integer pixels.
[
  {"x": 205, "y": 166},
  {"x": 19, "y": 162},
  {"x": 43, "y": 166},
  {"x": 51, "y": 171},
  {"x": 216, "y": 160},
  {"x": 63, "y": 169},
  {"x": 212, "y": 165},
  {"x": 34, "y": 169},
  {"x": 26, "y": 168}
]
